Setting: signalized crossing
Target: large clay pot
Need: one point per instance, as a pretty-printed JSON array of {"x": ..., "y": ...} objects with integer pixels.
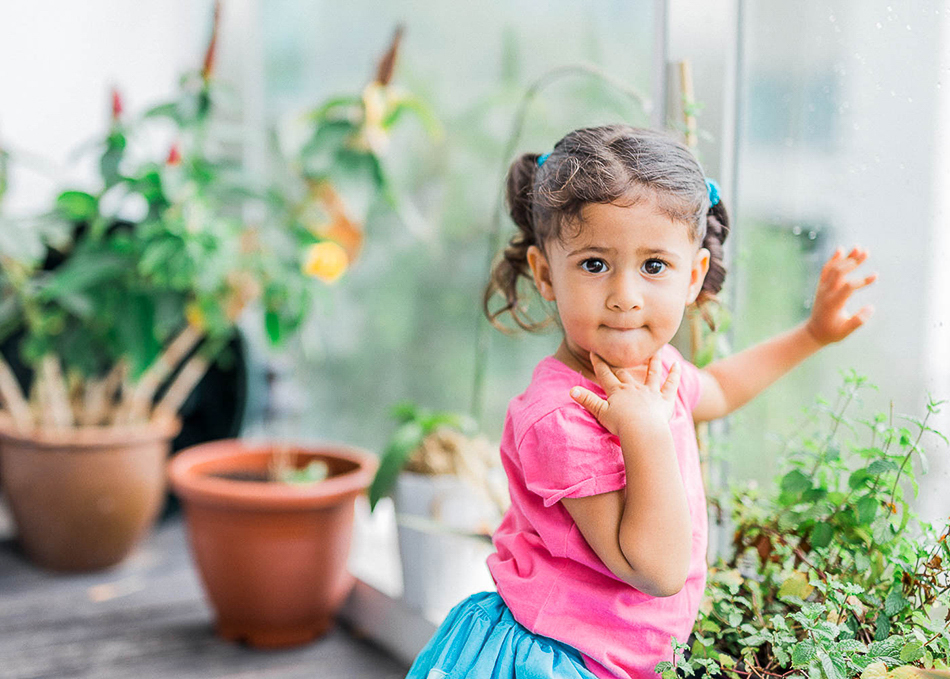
[
  {"x": 272, "y": 556},
  {"x": 81, "y": 498}
]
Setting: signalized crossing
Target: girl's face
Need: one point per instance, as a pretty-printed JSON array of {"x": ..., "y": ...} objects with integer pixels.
[{"x": 621, "y": 285}]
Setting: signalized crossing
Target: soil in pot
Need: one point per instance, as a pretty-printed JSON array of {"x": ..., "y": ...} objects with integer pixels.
[{"x": 272, "y": 556}]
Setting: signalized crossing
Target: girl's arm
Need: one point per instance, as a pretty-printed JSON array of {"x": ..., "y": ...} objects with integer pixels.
[
  {"x": 733, "y": 381},
  {"x": 643, "y": 534}
]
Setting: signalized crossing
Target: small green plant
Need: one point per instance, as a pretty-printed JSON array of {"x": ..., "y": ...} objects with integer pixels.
[
  {"x": 415, "y": 426},
  {"x": 834, "y": 576}
]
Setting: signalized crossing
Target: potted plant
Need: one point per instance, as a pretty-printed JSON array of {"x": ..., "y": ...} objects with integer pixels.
[
  {"x": 833, "y": 576},
  {"x": 269, "y": 528},
  {"x": 138, "y": 287},
  {"x": 449, "y": 495}
]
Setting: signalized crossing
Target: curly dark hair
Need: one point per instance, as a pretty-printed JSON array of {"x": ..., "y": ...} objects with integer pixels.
[{"x": 602, "y": 165}]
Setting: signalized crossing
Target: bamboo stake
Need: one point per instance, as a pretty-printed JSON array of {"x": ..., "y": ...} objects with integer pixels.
[
  {"x": 183, "y": 384},
  {"x": 13, "y": 398},
  {"x": 55, "y": 392},
  {"x": 99, "y": 395},
  {"x": 140, "y": 400},
  {"x": 688, "y": 102}
]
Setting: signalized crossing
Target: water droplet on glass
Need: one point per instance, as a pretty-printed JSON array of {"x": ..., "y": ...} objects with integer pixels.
[
  {"x": 831, "y": 18},
  {"x": 879, "y": 25},
  {"x": 910, "y": 100},
  {"x": 812, "y": 235},
  {"x": 908, "y": 27},
  {"x": 797, "y": 230}
]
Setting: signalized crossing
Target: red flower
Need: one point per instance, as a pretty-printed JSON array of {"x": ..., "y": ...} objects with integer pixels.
[
  {"x": 116, "y": 105},
  {"x": 174, "y": 155}
]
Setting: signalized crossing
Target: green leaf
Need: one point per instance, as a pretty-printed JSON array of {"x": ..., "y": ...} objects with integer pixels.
[
  {"x": 803, "y": 652},
  {"x": 406, "y": 439},
  {"x": 895, "y": 602},
  {"x": 314, "y": 472},
  {"x": 881, "y": 465},
  {"x": 830, "y": 668},
  {"x": 912, "y": 652},
  {"x": 795, "y": 482},
  {"x": 414, "y": 105},
  {"x": 822, "y": 534},
  {"x": 82, "y": 272},
  {"x": 858, "y": 478},
  {"x": 77, "y": 206},
  {"x": 867, "y": 509},
  {"x": 272, "y": 325}
]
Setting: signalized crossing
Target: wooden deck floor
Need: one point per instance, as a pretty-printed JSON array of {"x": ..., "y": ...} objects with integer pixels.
[{"x": 147, "y": 618}]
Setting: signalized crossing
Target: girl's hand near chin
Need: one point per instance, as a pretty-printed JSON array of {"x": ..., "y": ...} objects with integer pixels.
[
  {"x": 830, "y": 321},
  {"x": 631, "y": 401}
]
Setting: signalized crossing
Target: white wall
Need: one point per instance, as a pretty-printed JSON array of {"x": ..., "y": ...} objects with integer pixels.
[{"x": 60, "y": 60}]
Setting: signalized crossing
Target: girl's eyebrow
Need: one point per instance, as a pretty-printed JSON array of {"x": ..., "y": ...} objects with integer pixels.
[{"x": 643, "y": 252}]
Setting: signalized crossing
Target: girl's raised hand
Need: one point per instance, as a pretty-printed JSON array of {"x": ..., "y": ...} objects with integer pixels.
[
  {"x": 631, "y": 402},
  {"x": 830, "y": 321}
]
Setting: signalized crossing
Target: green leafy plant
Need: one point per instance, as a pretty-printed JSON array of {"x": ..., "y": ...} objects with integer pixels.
[
  {"x": 834, "y": 576},
  {"x": 415, "y": 425},
  {"x": 139, "y": 284}
]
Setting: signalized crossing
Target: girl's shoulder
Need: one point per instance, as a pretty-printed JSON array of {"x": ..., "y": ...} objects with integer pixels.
[{"x": 548, "y": 397}]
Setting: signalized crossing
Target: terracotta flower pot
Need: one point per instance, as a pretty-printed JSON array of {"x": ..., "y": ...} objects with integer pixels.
[
  {"x": 81, "y": 498},
  {"x": 272, "y": 556}
]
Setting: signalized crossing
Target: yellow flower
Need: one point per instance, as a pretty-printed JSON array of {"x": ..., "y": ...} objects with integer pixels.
[
  {"x": 194, "y": 316},
  {"x": 326, "y": 261}
]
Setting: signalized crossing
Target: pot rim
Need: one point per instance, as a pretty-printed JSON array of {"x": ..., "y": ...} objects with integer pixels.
[
  {"x": 189, "y": 475},
  {"x": 89, "y": 436}
]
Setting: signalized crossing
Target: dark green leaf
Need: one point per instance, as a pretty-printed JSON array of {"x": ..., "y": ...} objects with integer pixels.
[
  {"x": 272, "y": 325},
  {"x": 821, "y": 534},
  {"x": 406, "y": 439},
  {"x": 82, "y": 272}
]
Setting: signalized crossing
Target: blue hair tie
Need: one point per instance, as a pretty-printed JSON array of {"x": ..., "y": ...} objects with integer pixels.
[
  {"x": 542, "y": 158},
  {"x": 713, "y": 188}
]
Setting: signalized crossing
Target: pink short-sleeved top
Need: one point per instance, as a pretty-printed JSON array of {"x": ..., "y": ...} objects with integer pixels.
[{"x": 550, "y": 578}]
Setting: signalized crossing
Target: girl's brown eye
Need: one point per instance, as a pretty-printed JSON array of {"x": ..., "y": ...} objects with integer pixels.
[
  {"x": 594, "y": 265},
  {"x": 654, "y": 267}
]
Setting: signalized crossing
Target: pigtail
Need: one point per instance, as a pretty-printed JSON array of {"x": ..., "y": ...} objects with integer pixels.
[
  {"x": 717, "y": 229},
  {"x": 513, "y": 263}
]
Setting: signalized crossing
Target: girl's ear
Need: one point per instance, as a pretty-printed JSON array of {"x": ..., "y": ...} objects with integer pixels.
[
  {"x": 698, "y": 274},
  {"x": 541, "y": 271}
]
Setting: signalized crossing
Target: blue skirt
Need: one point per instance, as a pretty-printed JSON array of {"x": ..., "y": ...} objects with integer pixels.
[{"x": 480, "y": 639}]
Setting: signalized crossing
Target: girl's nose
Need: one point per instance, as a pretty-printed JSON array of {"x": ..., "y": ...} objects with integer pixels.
[{"x": 625, "y": 294}]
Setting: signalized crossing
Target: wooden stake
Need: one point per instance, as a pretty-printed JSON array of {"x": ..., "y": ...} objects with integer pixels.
[
  {"x": 183, "y": 384},
  {"x": 13, "y": 398},
  {"x": 55, "y": 392},
  {"x": 688, "y": 102},
  {"x": 140, "y": 400}
]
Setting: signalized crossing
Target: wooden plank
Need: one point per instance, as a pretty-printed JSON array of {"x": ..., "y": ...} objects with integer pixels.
[{"x": 147, "y": 618}]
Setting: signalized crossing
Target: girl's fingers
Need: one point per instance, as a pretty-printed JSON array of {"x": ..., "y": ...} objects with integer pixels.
[
  {"x": 858, "y": 319},
  {"x": 862, "y": 282},
  {"x": 654, "y": 369},
  {"x": 672, "y": 383},
  {"x": 594, "y": 404},
  {"x": 605, "y": 376}
]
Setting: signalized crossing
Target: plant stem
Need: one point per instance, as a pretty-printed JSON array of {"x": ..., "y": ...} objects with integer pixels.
[{"x": 913, "y": 448}]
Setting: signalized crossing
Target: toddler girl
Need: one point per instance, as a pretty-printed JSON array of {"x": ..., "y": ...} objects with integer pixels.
[{"x": 601, "y": 558}]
